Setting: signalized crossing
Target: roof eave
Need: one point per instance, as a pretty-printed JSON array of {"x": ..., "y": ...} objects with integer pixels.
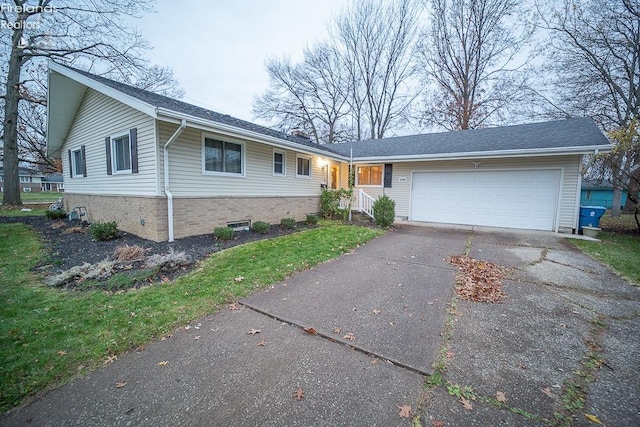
[
  {"x": 129, "y": 100},
  {"x": 212, "y": 126},
  {"x": 533, "y": 152}
]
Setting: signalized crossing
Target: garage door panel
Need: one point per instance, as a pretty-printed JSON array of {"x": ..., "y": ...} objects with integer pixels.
[{"x": 514, "y": 199}]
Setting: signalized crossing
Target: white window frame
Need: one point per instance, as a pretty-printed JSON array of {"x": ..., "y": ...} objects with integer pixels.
[
  {"x": 243, "y": 157},
  {"x": 74, "y": 163},
  {"x": 25, "y": 179},
  {"x": 114, "y": 164},
  {"x": 284, "y": 163},
  {"x": 310, "y": 159},
  {"x": 370, "y": 185}
]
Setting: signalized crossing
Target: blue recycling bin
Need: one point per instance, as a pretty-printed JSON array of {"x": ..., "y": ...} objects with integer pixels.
[{"x": 590, "y": 216}]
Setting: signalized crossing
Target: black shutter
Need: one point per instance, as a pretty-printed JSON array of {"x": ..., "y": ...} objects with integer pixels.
[
  {"x": 84, "y": 161},
  {"x": 133, "y": 139},
  {"x": 107, "y": 146},
  {"x": 388, "y": 175},
  {"x": 70, "y": 165}
]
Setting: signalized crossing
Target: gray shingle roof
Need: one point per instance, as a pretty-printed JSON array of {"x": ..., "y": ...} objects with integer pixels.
[
  {"x": 581, "y": 132},
  {"x": 165, "y": 102}
]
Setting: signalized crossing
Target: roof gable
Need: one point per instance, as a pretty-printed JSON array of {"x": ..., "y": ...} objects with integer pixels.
[{"x": 75, "y": 82}]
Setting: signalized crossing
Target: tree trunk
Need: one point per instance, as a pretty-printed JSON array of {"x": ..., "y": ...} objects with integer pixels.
[
  {"x": 11, "y": 194},
  {"x": 617, "y": 201}
]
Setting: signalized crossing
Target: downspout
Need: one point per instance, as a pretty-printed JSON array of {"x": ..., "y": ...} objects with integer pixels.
[{"x": 176, "y": 134}]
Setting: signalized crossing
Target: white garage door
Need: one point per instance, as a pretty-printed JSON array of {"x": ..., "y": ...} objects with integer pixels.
[{"x": 526, "y": 199}]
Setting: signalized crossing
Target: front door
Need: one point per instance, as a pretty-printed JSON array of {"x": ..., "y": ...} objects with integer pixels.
[{"x": 335, "y": 173}]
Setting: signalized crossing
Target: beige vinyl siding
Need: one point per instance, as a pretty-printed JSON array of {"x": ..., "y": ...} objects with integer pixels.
[
  {"x": 100, "y": 116},
  {"x": 570, "y": 177},
  {"x": 188, "y": 180}
]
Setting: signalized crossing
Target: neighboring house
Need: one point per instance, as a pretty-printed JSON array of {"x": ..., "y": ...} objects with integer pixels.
[
  {"x": 30, "y": 179},
  {"x": 53, "y": 182},
  {"x": 165, "y": 169}
]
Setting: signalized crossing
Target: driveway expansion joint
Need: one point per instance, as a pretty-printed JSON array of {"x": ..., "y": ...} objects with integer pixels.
[{"x": 336, "y": 341}]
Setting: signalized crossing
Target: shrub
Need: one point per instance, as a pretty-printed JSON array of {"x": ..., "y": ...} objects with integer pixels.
[
  {"x": 56, "y": 214},
  {"x": 169, "y": 261},
  {"x": 330, "y": 203},
  {"x": 261, "y": 227},
  {"x": 288, "y": 223},
  {"x": 384, "y": 211},
  {"x": 312, "y": 219},
  {"x": 104, "y": 230},
  {"x": 223, "y": 233}
]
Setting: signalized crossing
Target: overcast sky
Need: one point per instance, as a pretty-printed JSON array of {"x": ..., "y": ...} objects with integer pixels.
[{"x": 217, "y": 48}]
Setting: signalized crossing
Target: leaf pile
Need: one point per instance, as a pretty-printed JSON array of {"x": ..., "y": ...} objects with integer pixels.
[{"x": 479, "y": 280}]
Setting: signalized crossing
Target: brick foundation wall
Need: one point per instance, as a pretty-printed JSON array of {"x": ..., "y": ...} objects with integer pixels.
[
  {"x": 192, "y": 216},
  {"x": 200, "y": 216},
  {"x": 127, "y": 211}
]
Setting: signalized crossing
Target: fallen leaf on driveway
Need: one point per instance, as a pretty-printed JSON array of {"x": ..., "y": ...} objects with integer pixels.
[
  {"x": 310, "y": 331},
  {"x": 479, "y": 280},
  {"x": 233, "y": 307},
  {"x": 376, "y": 311},
  {"x": 500, "y": 397},
  {"x": 298, "y": 394},
  {"x": 254, "y": 331},
  {"x": 163, "y": 363},
  {"x": 196, "y": 338},
  {"x": 262, "y": 343},
  {"x": 437, "y": 423},
  {"x": 110, "y": 360},
  {"x": 547, "y": 391},
  {"x": 405, "y": 411},
  {"x": 449, "y": 354},
  {"x": 349, "y": 337},
  {"x": 466, "y": 403},
  {"x": 121, "y": 384},
  {"x": 593, "y": 418},
  {"x": 336, "y": 330}
]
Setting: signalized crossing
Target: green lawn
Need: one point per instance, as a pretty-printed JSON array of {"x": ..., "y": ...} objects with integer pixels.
[
  {"x": 621, "y": 252},
  {"x": 17, "y": 211},
  {"x": 39, "y": 196},
  {"x": 48, "y": 336}
]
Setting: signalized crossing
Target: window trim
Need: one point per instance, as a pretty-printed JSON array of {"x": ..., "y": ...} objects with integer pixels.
[
  {"x": 357, "y": 180},
  {"x": 243, "y": 157},
  {"x": 74, "y": 164},
  {"x": 284, "y": 162},
  {"x": 114, "y": 165},
  {"x": 310, "y": 159}
]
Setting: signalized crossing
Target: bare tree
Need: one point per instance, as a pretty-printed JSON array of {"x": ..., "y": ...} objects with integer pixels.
[
  {"x": 594, "y": 64},
  {"x": 358, "y": 85},
  {"x": 308, "y": 97},
  {"x": 377, "y": 41},
  {"x": 90, "y": 35},
  {"x": 468, "y": 55}
]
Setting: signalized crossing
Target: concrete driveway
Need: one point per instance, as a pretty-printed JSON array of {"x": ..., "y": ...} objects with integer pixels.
[{"x": 378, "y": 314}]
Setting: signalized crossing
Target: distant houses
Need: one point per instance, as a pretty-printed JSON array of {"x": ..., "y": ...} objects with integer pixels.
[{"x": 32, "y": 180}]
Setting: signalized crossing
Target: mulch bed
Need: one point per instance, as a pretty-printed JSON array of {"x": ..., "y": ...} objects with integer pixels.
[{"x": 70, "y": 244}]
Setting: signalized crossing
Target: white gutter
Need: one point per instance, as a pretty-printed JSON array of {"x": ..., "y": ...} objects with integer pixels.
[
  {"x": 532, "y": 152},
  {"x": 176, "y": 134}
]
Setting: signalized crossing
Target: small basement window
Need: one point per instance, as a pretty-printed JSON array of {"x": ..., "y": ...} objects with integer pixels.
[{"x": 239, "y": 225}]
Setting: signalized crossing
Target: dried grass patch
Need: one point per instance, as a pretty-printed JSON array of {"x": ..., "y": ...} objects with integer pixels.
[
  {"x": 128, "y": 253},
  {"x": 479, "y": 280},
  {"x": 77, "y": 229}
]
